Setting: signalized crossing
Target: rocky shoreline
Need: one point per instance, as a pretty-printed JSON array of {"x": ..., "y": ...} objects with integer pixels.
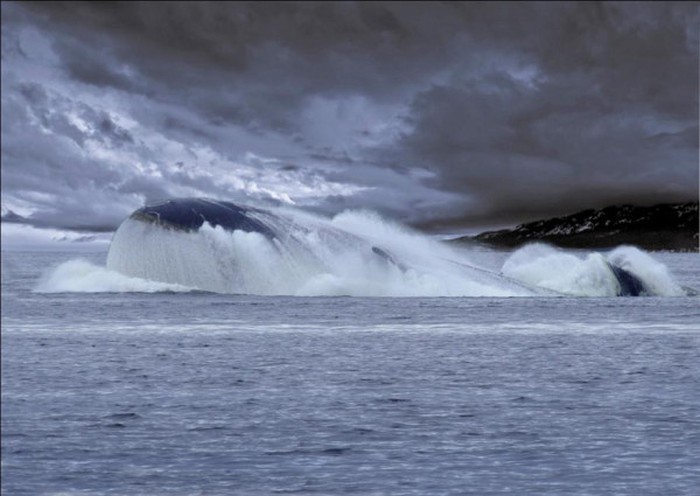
[{"x": 666, "y": 227}]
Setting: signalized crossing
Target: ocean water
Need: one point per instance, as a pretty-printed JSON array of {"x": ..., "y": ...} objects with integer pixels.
[{"x": 116, "y": 386}]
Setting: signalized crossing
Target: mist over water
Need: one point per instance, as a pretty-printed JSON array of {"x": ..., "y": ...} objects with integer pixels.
[{"x": 354, "y": 254}]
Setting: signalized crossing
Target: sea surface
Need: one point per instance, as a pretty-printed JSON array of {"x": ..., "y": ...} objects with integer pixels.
[{"x": 194, "y": 393}]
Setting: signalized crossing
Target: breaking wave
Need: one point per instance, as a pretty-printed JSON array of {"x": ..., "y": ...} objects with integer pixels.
[
  {"x": 590, "y": 274},
  {"x": 354, "y": 253}
]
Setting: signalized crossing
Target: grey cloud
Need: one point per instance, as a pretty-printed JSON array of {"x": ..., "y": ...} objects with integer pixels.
[
  {"x": 53, "y": 112},
  {"x": 518, "y": 110},
  {"x": 294, "y": 49},
  {"x": 615, "y": 132},
  {"x": 95, "y": 65},
  {"x": 268, "y": 55},
  {"x": 49, "y": 172}
]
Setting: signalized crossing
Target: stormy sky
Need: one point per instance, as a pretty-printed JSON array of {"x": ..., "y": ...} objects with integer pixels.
[{"x": 446, "y": 116}]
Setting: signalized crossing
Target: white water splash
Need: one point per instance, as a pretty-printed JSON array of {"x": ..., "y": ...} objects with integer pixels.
[
  {"x": 81, "y": 276},
  {"x": 590, "y": 274},
  {"x": 355, "y": 253}
]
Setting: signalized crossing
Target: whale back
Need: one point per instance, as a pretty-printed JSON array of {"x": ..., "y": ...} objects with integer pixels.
[
  {"x": 630, "y": 285},
  {"x": 189, "y": 214}
]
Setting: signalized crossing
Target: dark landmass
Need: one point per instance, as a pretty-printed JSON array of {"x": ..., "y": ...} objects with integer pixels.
[{"x": 667, "y": 227}]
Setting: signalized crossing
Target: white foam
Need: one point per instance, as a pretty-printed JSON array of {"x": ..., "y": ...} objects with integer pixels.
[
  {"x": 310, "y": 255},
  {"x": 587, "y": 274},
  {"x": 354, "y": 253},
  {"x": 81, "y": 276},
  {"x": 652, "y": 273}
]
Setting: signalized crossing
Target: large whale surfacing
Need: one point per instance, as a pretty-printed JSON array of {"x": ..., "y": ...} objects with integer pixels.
[{"x": 226, "y": 247}]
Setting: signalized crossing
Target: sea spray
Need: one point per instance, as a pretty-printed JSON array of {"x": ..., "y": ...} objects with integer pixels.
[
  {"x": 82, "y": 276},
  {"x": 544, "y": 266},
  {"x": 356, "y": 254},
  {"x": 588, "y": 274},
  {"x": 353, "y": 253},
  {"x": 652, "y": 273}
]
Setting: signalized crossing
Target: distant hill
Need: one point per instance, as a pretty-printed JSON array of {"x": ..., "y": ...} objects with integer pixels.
[{"x": 671, "y": 227}]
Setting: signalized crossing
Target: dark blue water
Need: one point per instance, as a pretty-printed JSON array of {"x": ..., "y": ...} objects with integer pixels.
[{"x": 181, "y": 393}]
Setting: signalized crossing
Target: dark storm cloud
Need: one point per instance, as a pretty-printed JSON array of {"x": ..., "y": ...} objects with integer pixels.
[
  {"x": 530, "y": 150},
  {"x": 435, "y": 113},
  {"x": 51, "y": 112}
]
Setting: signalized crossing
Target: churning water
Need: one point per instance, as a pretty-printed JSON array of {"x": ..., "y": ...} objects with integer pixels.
[
  {"x": 115, "y": 383},
  {"x": 356, "y": 254}
]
